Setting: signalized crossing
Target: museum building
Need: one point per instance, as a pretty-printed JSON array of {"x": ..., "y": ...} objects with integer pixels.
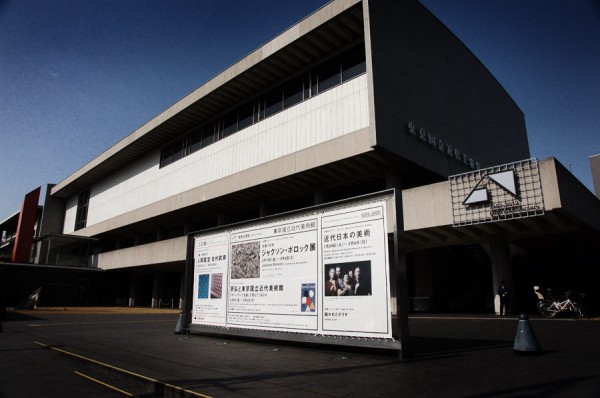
[{"x": 356, "y": 98}]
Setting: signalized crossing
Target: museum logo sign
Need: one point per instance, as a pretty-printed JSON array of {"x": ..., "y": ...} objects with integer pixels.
[{"x": 497, "y": 193}]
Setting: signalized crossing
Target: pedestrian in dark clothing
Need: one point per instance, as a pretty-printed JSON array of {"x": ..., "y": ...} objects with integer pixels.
[{"x": 503, "y": 292}]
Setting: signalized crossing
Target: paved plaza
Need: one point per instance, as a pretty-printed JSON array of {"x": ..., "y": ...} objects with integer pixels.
[{"x": 60, "y": 353}]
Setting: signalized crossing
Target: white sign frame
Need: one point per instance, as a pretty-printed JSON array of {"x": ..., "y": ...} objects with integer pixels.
[{"x": 272, "y": 275}]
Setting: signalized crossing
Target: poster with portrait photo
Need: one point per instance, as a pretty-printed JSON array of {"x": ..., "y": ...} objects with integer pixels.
[
  {"x": 354, "y": 242},
  {"x": 348, "y": 279}
]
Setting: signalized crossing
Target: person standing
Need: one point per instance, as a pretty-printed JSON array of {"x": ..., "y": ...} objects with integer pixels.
[
  {"x": 503, "y": 292},
  {"x": 346, "y": 289},
  {"x": 331, "y": 285},
  {"x": 362, "y": 285},
  {"x": 352, "y": 280},
  {"x": 339, "y": 277}
]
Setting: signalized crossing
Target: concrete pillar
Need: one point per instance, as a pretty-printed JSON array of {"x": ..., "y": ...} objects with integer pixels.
[
  {"x": 423, "y": 299},
  {"x": 156, "y": 290},
  {"x": 133, "y": 291},
  {"x": 398, "y": 263},
  {"x": 500, "y": 258},
  {"x": 181, "y": 290}
]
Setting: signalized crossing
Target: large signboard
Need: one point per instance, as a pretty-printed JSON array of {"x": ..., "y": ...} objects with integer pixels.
[
  {"x": 498, "y": 193},
  {"x": 323, "y": 271}
]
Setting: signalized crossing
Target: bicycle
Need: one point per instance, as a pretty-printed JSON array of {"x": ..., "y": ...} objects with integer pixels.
[{"x": 549, "y": 306}]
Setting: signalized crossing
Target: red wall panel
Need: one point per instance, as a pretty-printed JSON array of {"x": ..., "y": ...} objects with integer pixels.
[{"x": 27, "y": 218}]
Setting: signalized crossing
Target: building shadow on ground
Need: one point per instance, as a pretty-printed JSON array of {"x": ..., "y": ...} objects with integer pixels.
[
  {"x": 20, "y": 315},
  {"x": 433, "y": 346}
]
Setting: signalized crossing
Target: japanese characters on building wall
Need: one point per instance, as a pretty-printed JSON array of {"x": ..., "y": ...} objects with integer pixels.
[{"x": 322, "y": 272}]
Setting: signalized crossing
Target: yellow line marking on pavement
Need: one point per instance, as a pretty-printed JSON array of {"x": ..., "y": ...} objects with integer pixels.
[
  {"x": 103, "y": 384},
  {"x": 171, "y": 386},
  {"x": 36, "y": 325}
]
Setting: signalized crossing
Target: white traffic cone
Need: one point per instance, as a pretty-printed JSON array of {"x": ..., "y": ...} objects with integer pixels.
[{"x": 179, "y": 326}]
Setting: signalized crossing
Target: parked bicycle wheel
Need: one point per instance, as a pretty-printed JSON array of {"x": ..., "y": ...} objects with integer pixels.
[
  {"x": 545, "y": 311},
  {"x": 540, "y": 307},
  {"x": 578, "y": 310}
]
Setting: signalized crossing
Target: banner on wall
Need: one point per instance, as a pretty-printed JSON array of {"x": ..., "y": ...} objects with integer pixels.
[{"x": 321, "y": 271}]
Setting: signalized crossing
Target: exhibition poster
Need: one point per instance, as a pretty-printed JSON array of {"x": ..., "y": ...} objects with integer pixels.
[
  {"x": 321, "y": 272},
  {"x": 355, "y": 258},
  {"x": 274, "y": 274},
  {"x": 211, "y": 267}
]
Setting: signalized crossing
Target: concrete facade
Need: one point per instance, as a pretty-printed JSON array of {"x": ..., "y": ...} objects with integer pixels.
[
  {"x": 422, "y": 109},
  {"x": 423, "y": 74},
  {"x": 572, "y": 215},
  {"x": 315, "y": 125},
  {"x": 429, "y": 206}
]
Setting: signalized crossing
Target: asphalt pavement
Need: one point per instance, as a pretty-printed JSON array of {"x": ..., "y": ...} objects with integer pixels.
[{"x": 58, "y": 354}]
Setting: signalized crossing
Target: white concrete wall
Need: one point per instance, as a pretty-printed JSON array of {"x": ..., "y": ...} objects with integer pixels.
[
  {"x": 427, "y": 206},
  {"x": 70, "y": 213},
  {"x": 152, "y": 253},
  {"x": 332, "y": 114}
]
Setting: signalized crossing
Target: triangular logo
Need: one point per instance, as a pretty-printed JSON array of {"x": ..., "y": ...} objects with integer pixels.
[
  {"x": 477, "y": 196},
  {"x": 504, "y": 179}
]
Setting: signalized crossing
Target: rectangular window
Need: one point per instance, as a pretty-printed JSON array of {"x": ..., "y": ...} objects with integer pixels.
[
  {"x": 273, "y": 101},
  {"x": 173, "y": 232},
  {"x": 210, "y": 134},
  {"x": 218, "y": 124},
  {"x": 259, "y": 110},
  {"x": 148, "y": 238},
  {"x": 83, "y": 201},
  {"x": 166, "y": 156},
  {"x": 293, "y": 92},
  {"x": 329, "y": 74},
  {"x": 306, "y": 78},
  {"x": 127, "y": 242},
  {"x": 353, "y": 62},
  {"x": 230, "y": 123},
  {"x": 196, "y": 141},
  {"x": 178, "y": 150},
  {"x": 245, "y": 113},
  {"x": 314, "y": 81}
]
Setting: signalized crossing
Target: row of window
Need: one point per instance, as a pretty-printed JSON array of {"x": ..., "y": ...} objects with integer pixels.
[
  {"x": 83, "y": 201},
  {"x": 316, "y": 80},
  {"x": 322, "y": 77}
]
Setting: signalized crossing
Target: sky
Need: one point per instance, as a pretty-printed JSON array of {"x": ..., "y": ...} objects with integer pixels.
[{"x": 78, "y": 76}]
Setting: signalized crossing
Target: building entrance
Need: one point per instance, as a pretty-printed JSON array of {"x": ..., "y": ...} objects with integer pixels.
[{"x": 451, "y": 280}]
